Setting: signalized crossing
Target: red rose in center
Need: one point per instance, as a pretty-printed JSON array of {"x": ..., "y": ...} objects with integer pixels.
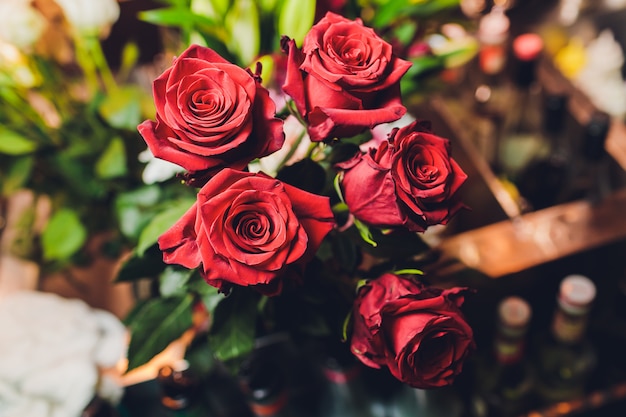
[{"x": 248, "y": 229}]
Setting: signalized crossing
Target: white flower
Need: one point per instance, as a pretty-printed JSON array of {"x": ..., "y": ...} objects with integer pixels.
[
  {"x": 51, "y": 350},
  {"x": 157, "y": 170},
  {"x": 90, "y": 16},
  {"x": 601, "y": 78},
  {"x": 22, "y": 24}
]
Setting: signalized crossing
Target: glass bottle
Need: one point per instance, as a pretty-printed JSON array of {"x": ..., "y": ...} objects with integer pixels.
[
  {"x": 179, "y": 390},
  {"x": 521, "y": 137},
  {"x": 504, "y": 378},
  {"x": 543, "y": 180},
  {"x": 566, "y": 358},
  {"x": 437, "y": 402},
  {"x": 590, "y": 178},
  {"x": 488, "y": 88},
  {"x": 265, "y": 387},
  {"x": 344, "y": 392}
]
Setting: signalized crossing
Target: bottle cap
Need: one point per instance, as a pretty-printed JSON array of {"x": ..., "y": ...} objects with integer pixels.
[
  {"x": 576, "y": 293},
  {"x": 528, "y": 46},
  {"x": 493, "y": 27},
  {"x": 514, "y": 312}
]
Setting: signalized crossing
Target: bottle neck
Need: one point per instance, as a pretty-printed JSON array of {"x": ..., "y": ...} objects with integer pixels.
[
  {"x": 569, "y": 327},
  {"x": 509, "y": 345}
]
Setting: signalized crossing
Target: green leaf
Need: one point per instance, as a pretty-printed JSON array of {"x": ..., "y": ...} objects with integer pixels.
[
  {"x": 122, "y": 107},
  {"x": 173, "y": 281},
  {"x": 139, "y": 267},
  {"x": 134, "y": 209},
  {"x": 365, "y": 232},
  {"x": 242, "y": 22},
  {"x": 424, "y": 64},
  {"x": 200, "y": 358},
  {"x": 295, "y": 19},
  {"x": 209, "y": 295},
  {"x": 392, "y": 10},
  {"x": 18, "y": 172},
  {"x": 145, "y": 196},
  {"x": 345, "y": 326},
  {"x": 77, "y": 177},
  {"x": 408, "y": 271},
  {"x": 159, "y": 322},
  {"x": 112, "y": 163},
  {"x": 234, "y": 323},
  {"x": 63, "y": 236},
  {"x": 174, "y": 16},
  {"x": 12, "y": 143},
  {"x": 160, "y": 224}
]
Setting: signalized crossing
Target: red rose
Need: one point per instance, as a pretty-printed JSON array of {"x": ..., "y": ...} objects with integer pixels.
[
  {"x": 248, "y": 229},
  {"x": 410, "y": 180},
  {"x": 210, "y": 114},
  {"x": 345, "y": 79},
  {"x": 418, "y": 332}
]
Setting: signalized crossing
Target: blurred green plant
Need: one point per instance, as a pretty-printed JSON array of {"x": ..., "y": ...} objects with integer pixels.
[{"x": 68, "y": 134}]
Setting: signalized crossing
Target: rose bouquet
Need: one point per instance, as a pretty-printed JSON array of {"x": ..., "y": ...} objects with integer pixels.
[{"x": 323, "y": 241}]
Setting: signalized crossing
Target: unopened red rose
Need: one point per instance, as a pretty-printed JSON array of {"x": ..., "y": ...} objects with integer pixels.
[
  {"x": 210, "y": 114},
  {"x": 410, "y": 180},
  {"x": 249, "y": 230},
  {"x": 345, "y": 79},
  {"x": 418, "y": 332}
]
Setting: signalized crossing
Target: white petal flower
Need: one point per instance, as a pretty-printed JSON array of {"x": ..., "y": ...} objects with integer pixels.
[
  {"x": 22, "y": 25},
  {"x": 90, "y": 16},
  {"x": 51, "y": 351},
  {"x": 157, "y": 170}
]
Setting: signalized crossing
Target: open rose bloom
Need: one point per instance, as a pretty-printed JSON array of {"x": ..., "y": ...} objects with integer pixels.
[
  {"x": 345, "y": 79},
  {"x": 249, "y": 231},
  {"x": 418, "y": 332}
]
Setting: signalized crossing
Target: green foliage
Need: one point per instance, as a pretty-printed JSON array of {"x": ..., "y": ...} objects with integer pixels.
[
  {"x": 138, "y": 267},
  {"x": 155, "y": 325},
  {"x": 209, "y": 295},
  {"x": 112, "y": 163},
  {"x": 122, "y": 108},
  {"x": 295, "y": 18},
  {"x": 173, "y": 281},
  {"x": 160, "y": 223},
  {"x": 13, "y": 143},
  {"x": 233, "y": 332},
  {"x": 134, "y": 209},
  {"x": 63, "y": 236},
  {"x": 389, "y": 12},
  {"x": 18, "y": 171}
]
